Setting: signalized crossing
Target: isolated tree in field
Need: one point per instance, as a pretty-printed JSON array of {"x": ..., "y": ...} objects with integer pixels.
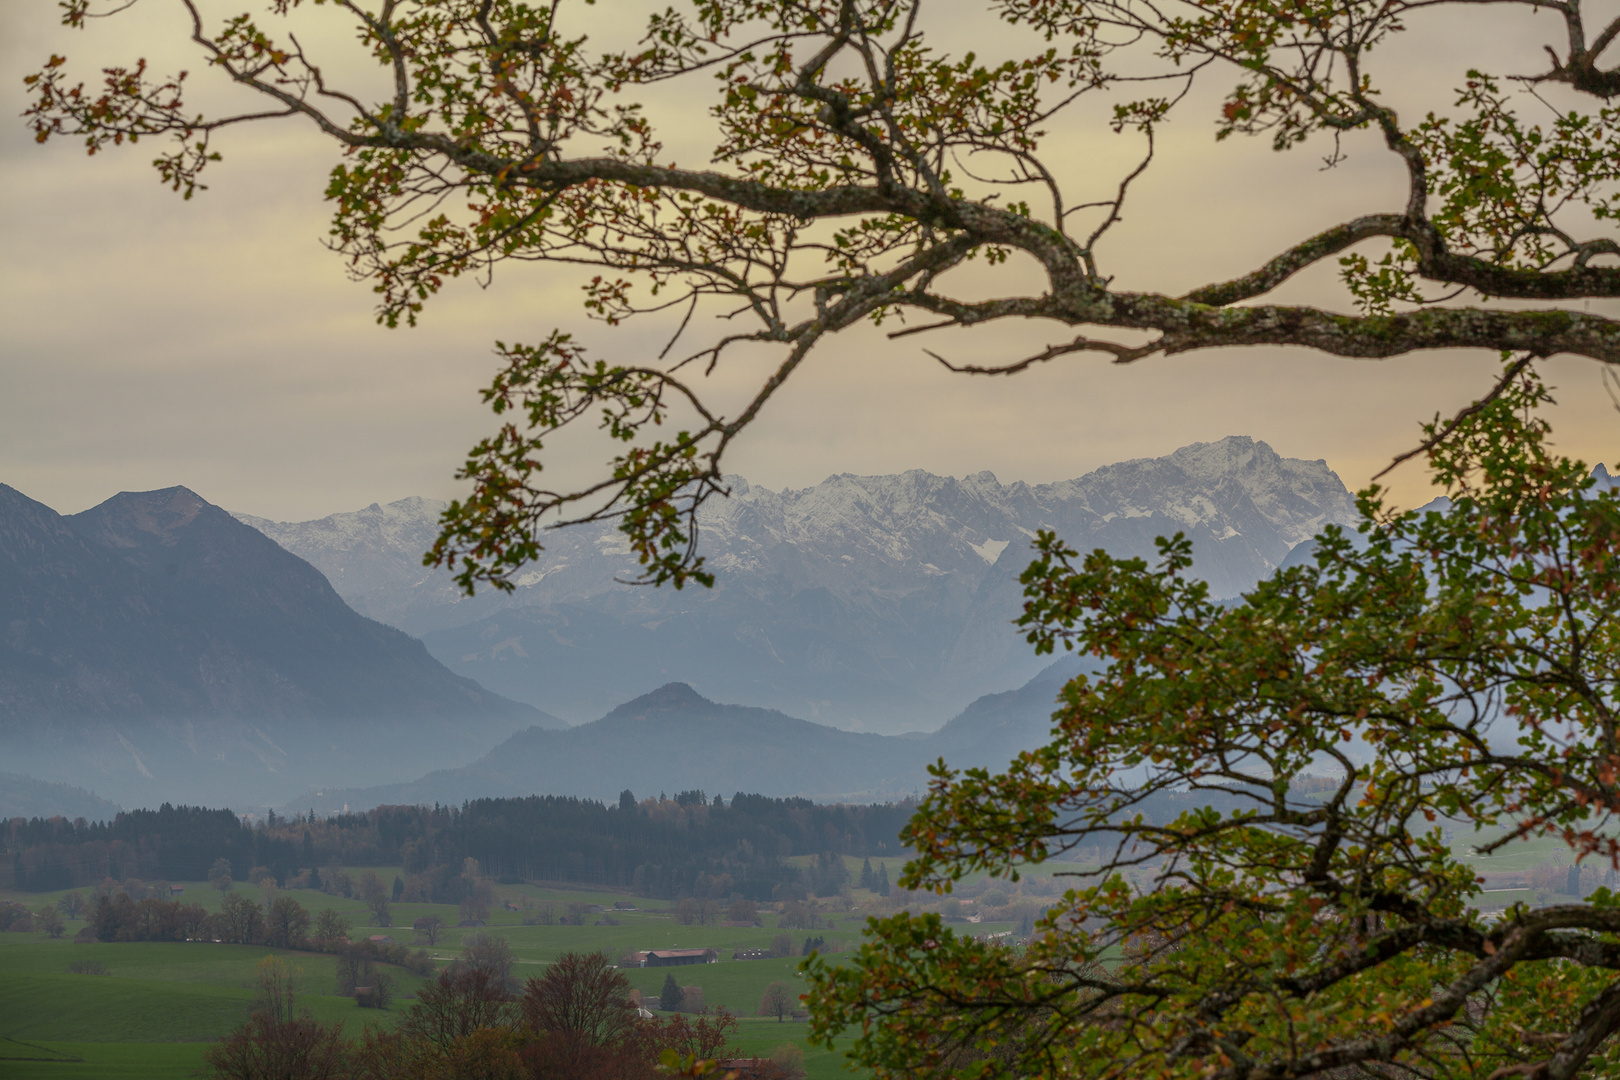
[
  {"x": 669, "y": 995},
  {"x": 1454, "y": 667},
  {"x": 49, "y": 919},
  {"x": 330, "y": 928},
  {"x": 71, "y": 904},
  {"x": 371, "y": 887},
  {"x": 778, "y": 1001},
  {"x": 381, "y": 913},
  {"x": 286, "y": 923},
  {"x": 430, "y": 927},
  {"x": 686, "y": 912},
  {"x": 219, "y": 875},
  {"x": 859, "y": 173},
  {"x": 473, "y": 908}
]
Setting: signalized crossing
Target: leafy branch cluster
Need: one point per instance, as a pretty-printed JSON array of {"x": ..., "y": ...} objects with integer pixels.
[
  {"x": 1455, "y": 667},
  {"x": 855, "y": 167}
]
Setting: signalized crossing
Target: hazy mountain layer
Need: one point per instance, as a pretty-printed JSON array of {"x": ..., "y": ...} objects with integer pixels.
[
  {"x": 674, "y": 739},
  {"x": 875, "y": 603},
  {"x": 25, "y": 797},
  {"x": 157, "y": 649}
]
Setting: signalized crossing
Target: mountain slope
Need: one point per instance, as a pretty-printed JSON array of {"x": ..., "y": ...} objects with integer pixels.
[
  {"x": 25, "y": 797},
  {"x": 154, "y": 633},
  {"x": 875, "y": 603},
  {"x": 670, "y": 740},
  {"x": 673, "y": 739}
]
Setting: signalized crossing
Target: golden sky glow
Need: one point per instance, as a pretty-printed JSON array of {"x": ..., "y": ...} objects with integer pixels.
[{"x": 216, "y": 344}]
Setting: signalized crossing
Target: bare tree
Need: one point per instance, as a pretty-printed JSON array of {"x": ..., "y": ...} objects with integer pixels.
[
  {"x": 583, "y": 995},
  {"x": 457, "y": 1004},
  {"x": 778, "y": 1001},
  {"x": 430, "y": 927},
  {"x": 276, "y": 985},
  {"x": 300, "y": 1048}
]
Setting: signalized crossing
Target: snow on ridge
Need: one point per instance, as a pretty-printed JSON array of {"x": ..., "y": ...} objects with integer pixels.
[
  {"x": 862, "y": 536},
  {"x": 990, "y": 550}
]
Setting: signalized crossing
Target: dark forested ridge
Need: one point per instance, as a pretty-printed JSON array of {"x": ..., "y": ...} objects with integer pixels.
[
  {"x": 172, "y": 842},
  {"x": 664, "y": 847},
  {"x": 673, "y": 737},
  {"x": 154, "y": 634}
]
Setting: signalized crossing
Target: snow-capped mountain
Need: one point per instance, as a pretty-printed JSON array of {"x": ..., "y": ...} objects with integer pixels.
[{"x": 876, "y": 602}]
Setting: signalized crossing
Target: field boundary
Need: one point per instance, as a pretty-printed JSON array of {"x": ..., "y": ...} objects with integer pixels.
[{"x": 8, "y": 1041}]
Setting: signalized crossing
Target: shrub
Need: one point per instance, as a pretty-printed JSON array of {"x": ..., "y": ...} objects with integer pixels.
[
  {"x": 378, "y": 994},
  {"x": 789, "y": 1058},
  {"x": 300, "y": 1048}
]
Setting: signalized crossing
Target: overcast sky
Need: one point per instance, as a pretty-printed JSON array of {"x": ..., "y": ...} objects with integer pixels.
[{"x": 150, "y": 342}]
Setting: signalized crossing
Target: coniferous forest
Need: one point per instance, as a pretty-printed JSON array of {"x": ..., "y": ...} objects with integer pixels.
[{"x": 688, "y": 844}]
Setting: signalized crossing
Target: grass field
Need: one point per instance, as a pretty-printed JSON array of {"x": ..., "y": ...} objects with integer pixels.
[
  {"x": 104, "y": 1061},
  {"x": 152, "y": 1016}
]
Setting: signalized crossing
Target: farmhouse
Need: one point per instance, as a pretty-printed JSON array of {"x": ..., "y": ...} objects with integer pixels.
[{"x": 674, "y": 957}]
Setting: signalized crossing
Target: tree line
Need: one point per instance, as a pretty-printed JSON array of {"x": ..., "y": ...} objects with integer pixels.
[
  {"x": 169, "y": 843},
  {"x": 665, "y": 847}
]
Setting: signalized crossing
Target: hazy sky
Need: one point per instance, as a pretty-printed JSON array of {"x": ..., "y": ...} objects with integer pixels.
[{"x": 149, "y": 341}]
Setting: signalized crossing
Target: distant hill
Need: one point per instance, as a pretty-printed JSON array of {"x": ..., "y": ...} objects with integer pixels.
[
  {"x": 24, "y": 797},
  {"x": 674, "y": 739},
  {"x": 160, "y": 650},
  {"x": 876, "y": 603}
]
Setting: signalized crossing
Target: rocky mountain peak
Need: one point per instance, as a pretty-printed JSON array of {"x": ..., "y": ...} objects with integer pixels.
[
  {"x": 671, "y": 697},
  {"x": 880, "y": 601},
  {"x": 137, "y": 519}
]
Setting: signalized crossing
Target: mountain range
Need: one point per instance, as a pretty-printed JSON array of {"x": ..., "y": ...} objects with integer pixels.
[
  {"x": 155, "y": 649},
  {"x": 674, "y": 739},
  {"x": 873, "y": 603}
]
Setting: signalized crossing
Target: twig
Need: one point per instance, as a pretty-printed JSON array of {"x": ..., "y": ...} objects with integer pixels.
[
  {"x": 1123, "y": 354},
  {"x": 1452, "y": 425}
]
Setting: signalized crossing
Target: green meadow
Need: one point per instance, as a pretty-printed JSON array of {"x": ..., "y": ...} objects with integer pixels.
[{"x": 159, "y": 1005}]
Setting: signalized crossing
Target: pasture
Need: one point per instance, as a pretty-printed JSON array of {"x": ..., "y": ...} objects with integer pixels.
[{"x": 159, "y": 1005}]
